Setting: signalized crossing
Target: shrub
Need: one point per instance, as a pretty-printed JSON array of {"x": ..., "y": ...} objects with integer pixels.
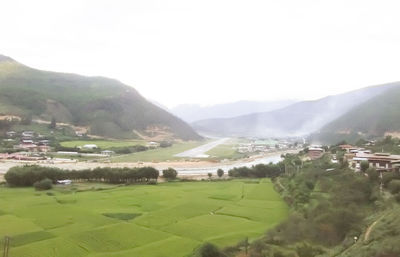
[
  {"x": 373, "y": 175},
  {"x": 397, "y": 197},
  {"x": 394, "y": 186},
  {"x": 165, "y": 144},
  {"x": 307, "y": 250},
  {"x": 389, "y": 176},
  {"x": 170, "y": 173},
  {"x": 310, "y": 185},
  {"x": 208, "y": 250},
  {"x": 220, "y": 172},
  {"x": 364, "y": 165},
  {"x": 44, "y": 184}
]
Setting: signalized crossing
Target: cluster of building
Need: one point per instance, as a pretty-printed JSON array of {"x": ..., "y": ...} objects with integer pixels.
[
  {"x": 21, "y": 156},
  {"x": 257, "y": 145},
  {"x": 379, "y": 161},
  {"x": 29, "y": 141}
]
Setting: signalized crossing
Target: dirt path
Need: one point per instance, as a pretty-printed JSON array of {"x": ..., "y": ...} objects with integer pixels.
[{"x": 369, "y": 229}]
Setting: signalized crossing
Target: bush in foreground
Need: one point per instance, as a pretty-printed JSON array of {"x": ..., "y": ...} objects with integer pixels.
[
  {"x": 394, "y": 186},
  {"x": 44, "y": 184},
  {"x": 220, "y": 172},
  {"x": 170, "y": 173},
  {"x": 208, "y": 250}
]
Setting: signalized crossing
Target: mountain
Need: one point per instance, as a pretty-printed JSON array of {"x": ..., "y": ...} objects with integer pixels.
[
  {"x": 298, "y": 119},
  {"x": 195, "y": 112},
  {"x": 108, "y": 107},
  {"x": 375, "y": 117}
]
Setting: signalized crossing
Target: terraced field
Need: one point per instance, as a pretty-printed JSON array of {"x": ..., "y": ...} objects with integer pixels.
[{"x": 169, "y": 219}]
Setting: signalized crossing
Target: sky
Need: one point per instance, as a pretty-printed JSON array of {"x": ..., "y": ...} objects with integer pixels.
[{"x": 210, "y": 51}]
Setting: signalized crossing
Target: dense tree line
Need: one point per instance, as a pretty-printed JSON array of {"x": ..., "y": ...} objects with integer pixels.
[
  {"x": 258, "y": 171},
  {"x": 28, "y": 175}
]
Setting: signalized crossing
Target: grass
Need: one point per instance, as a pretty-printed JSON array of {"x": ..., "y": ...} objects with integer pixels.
[
  {"x": 103, "y": 144},
  {"x": 225, "y": 151},
  {"x": 159, "y": 154},
  {"x": 170, "y": 219}
]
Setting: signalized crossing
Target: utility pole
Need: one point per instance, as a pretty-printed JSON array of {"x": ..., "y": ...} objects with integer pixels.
[{"x": 6, "y": 246}]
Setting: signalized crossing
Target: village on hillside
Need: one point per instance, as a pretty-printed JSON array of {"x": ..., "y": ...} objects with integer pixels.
[{"x": 355, "y": 156}]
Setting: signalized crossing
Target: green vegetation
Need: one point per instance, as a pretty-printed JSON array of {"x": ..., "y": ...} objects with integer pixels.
[
  {"x": 169, "y": 219},
  {"x": 44, "y": 184},
  {"x": 159, "y": 154},
  {"x": 41, "y": 176},
  {"x": 258, "y": 171},
  {"x": 61, "y": 133},
  {"x": 334, "y": 212},
  {"x": 170, "y": 174},
  {"x": 225, "y": 151},
  {"x": 387, "y": 145},
  {"x": 107, "y": 106}
]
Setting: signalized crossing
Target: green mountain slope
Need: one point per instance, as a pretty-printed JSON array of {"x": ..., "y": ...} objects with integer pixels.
[
  {"x": 375, "y": 117},
  {"x": 107, "y": 106}
]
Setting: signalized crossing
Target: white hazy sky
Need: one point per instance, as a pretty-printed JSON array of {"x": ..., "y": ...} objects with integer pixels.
[{"x": 211, "y": 51}]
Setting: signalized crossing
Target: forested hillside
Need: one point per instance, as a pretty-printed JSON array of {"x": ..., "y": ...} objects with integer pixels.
[{"x": 108, "y": 107}]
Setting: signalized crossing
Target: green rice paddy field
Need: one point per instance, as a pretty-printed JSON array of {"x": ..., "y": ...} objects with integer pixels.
[{"x": 168, "y": 219}]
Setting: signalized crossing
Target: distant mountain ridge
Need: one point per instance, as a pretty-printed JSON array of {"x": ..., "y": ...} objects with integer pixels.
[
  {"x": 373, "y": 118},
  {"x": 298, "y": 119},
  {"x": 195, "y": 112},
  {"x": 108, "y": 107}
]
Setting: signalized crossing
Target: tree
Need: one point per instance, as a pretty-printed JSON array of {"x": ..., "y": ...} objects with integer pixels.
[
  {"x": 373, "y": 175},
  {"x": 209, "y": 175},
  {"x": 53, "y": 123},
  {"x": 170, "y": 173},
  {"x": 364, "y": 165},
  {"x": 220, "y": 172},
  {"x": 245, "y": 244},
  {"x": 208, "y": 250},
  {"x": 165, "y": 144},
  {"x": 394, "y": 186},
  {"x": 27, "y": 120},
  {"x": 44, "y": 184}
]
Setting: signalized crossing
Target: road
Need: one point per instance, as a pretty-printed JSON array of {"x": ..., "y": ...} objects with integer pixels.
[{"x": 200, "y": 151}]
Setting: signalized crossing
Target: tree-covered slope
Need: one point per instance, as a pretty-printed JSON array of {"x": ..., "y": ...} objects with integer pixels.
[
  {"x": 375, "y": 117},
  {"x": 108, "y": 107},
  {"x": 297, "y": 119}
]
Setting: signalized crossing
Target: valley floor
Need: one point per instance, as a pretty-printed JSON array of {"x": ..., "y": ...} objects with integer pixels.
[
  {"x": 193, "y": 168},
  {"x": 169, "y": 219}
]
